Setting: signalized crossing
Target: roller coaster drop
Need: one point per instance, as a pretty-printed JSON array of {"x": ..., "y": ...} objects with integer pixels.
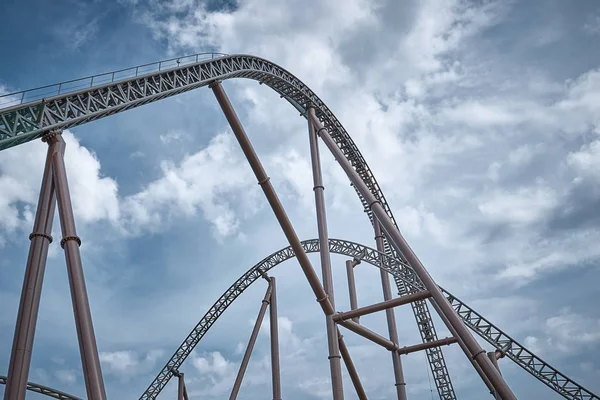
[{"x": 45, "y": 112}]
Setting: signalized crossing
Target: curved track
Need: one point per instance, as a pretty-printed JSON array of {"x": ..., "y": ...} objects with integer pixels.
[
  {"x": 531, "y": 363},
  {"x": 65, "y": 108},
  {"x": 24, "y": 122},
  {"x": 46, "y": 391}
]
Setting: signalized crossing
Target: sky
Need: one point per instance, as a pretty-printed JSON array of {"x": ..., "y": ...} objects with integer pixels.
[{"x": 480, "y": 121}]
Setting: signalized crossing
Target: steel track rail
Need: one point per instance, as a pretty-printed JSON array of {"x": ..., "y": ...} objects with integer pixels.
[
  {"x": 46, "y": 391},
  {"x": 29, "y": 121},
  {"x": 526, "y": 359}
]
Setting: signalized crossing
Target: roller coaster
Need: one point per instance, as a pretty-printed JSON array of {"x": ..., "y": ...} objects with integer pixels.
[{"x": 43, "y": 113}]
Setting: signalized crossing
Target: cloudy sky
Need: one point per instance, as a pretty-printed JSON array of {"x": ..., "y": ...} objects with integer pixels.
[{"x": 480, "y": 120}]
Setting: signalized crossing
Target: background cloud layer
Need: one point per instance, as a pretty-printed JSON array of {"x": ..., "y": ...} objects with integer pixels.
[{"x": 480, "y": 120}]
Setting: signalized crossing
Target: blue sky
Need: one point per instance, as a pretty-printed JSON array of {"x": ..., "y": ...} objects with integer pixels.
[{"x": 479, "y": 119}]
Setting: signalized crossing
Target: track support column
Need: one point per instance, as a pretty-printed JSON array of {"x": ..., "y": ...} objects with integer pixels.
[
  {"x": 275, "y": 369},
  {"x": 267, "y": 187},
  {"x": 391, "y": 319},
  {"x": 20, "y": 358},
  {"x": 70, "y": 242},
  {"x": 401, "y": 246},
  {"x": 251, "y": 342},
  {"x": 332, "y": 334},
  {"x": 350, "y": 264}
]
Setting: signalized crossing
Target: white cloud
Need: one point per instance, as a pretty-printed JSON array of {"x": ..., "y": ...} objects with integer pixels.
[
  {"x": 200, "y": 182},
  {"x": 522, "y": 206},
  {"x": 94, "y": 197},
  {"x": 119, "y": 361},
  {"x": 66, "y": 377},
  {"x": 213, "y": 363},
  {"x": 126, "y": 364},
  {"x": 592, "y": 26},
  {"x": 587, "y": 159}
]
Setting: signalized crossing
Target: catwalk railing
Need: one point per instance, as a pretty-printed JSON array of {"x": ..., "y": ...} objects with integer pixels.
[
  {"x": 46, "y": 391},
  {"x": 531, "y": 363},
  {"x": 24, "y": 122}
]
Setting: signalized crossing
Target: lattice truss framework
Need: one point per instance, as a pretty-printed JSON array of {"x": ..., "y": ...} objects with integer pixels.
[
  {"x": 26, "y": 122},
  {"x": 46, "y": 391},
  {"x": 531, "y": 363}
]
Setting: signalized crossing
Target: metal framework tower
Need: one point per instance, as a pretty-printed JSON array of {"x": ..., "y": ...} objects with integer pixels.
[{"x": 26, "y": 116}]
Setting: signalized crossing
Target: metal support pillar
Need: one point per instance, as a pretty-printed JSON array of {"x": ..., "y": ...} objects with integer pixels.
[
  {"x": 332, "y": 337},
  {"x": 275, "y": 370},
  {"x": 464, "y": 348},
  {"x": 494, "y": 356},
  {"x": 350, "y": 264},
  {"x": 401, "y": 246},
  {"x": 360, "y": 391},
  {"x": 391, "y": 319},
  {"x": 20, "y": 358},
  {"x": 181, "y": 389},
  {"x": 81, "y": 308},
  {"x": 267, "y": 187},
  {"x": 251, "y": 342}
]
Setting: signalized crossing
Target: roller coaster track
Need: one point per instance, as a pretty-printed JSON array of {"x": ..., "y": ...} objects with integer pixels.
[
  {"x": 46, "y": 391},
  {"x": 77, "y": 102},
  {"x": 524, "y": 358},
  {"x": 24, "y": 117}
]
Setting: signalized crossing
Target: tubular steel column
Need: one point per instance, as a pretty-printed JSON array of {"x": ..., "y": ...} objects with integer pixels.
[
  {"x": 20, "y": 358},
  {"x": 350, "y": 264},
  {"x": 70, "y": 242},
  {"x": 267, "y": 187},
  {"x": 275, "y": 370},
  {"x": 251, "y": 342},
  {"x": 391, "y": 319},
  {"x": 333, "y": 343},
  {"x": 400, "y": 245}
]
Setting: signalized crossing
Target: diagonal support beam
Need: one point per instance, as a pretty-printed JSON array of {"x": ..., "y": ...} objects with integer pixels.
[
  {"x": 360, "y": 391},
  {"x": 369, "y": 334},
  {"x": 384, "y": 305},
  {"x": 94, "y": 383},
  {"x": 244, "y": 365},
  {"x": 20, "y": 358},
  {"x": 272, "y": 198},
  {"x": 402, "y": 247}
]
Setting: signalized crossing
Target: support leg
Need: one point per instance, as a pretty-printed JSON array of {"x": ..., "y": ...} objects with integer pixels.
[
  {"x": 275, "y": 370},
  {"x": 391, "y": 320},
  {"x": 251, "y": 342},
  {"x": 352, "y": 287},
  {"x": 20, "y": 358},
  {"x": 334, "y": 351},
  {"x": 267, "y": 187},
  {"x": 360, "y": 391},
  {"x": 401, "y": 246},
  {"x": 83, "y": 317}
]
